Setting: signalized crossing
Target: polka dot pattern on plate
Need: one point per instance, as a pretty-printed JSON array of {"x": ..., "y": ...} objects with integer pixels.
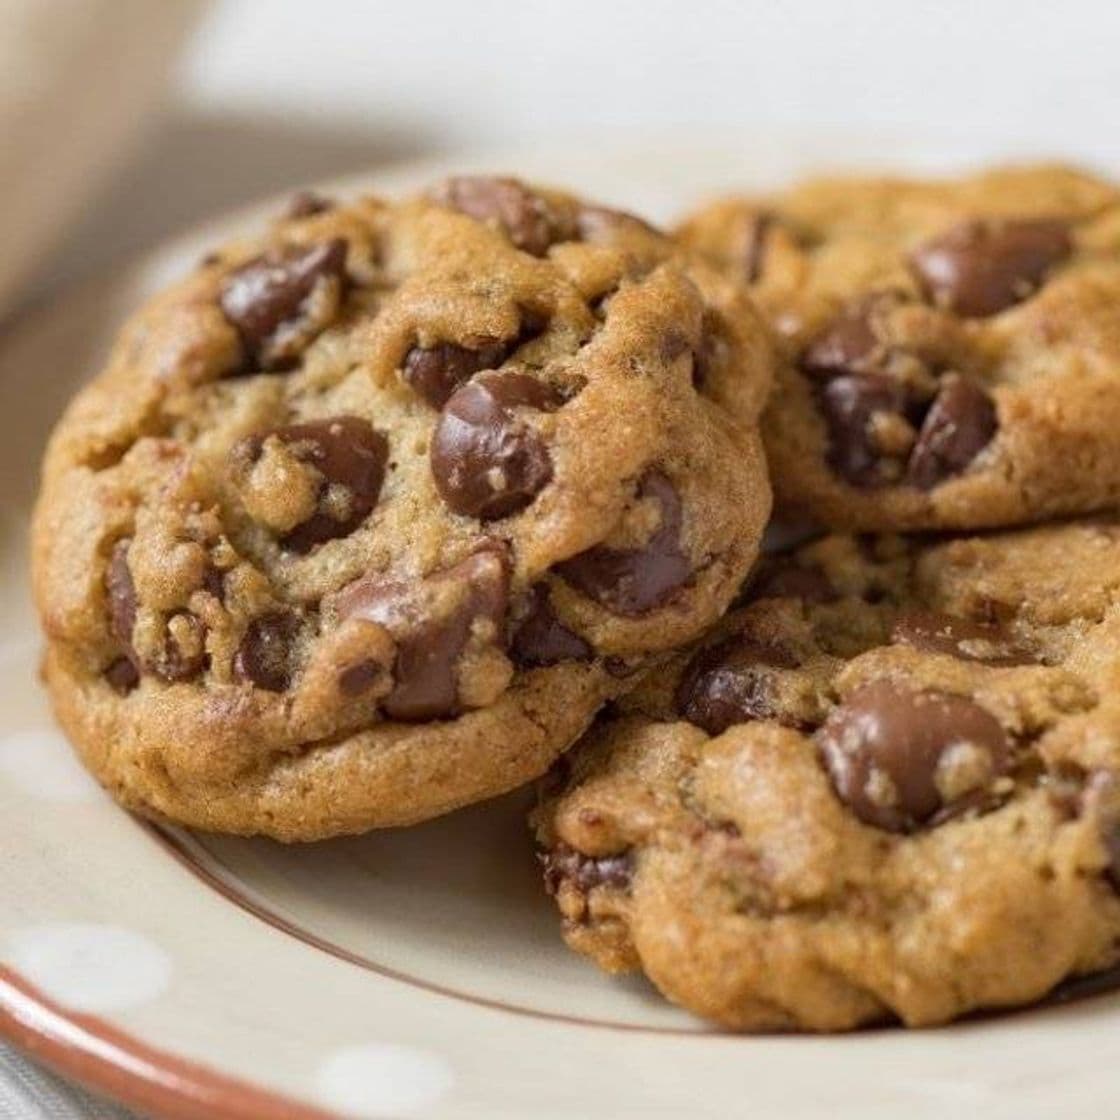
[
  {"x": 43, "y": 766},
  {"x": 89, "y": 967},
  {"x": 375, "y": 1080}
]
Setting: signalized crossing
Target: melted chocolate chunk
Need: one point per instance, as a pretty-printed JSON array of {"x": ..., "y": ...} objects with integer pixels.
[
  {"x": 565, "y": 865},
  {"x": 122, "y": 596},
  {"x": 901, "y": 758},
  {"x": 122, "y": 675},
  {"x": 214, "y": 582},
  {"x": 435, "y": 372},
  {"x": 958, "y": 426},
  {"x": 978, "y": 268},
  {"x": 712, "y": 351},
  {"x": 349, "y": 454},
  {"x": 856, "y": 397},
  {"x": 431, "y": 622},
  {"x": 264, "y": 657},
  {"x": 848, "y": 345},
  {"x": 271, "y": 300},
  {"x": 600, "y": 224},
  {"x": 180, "y": 661},
  {"x": 728, "y": 683},
  {"x": 542, "y": 639},
  {"x": 486, "y": 461},
  {"x": 174, "y": 661},
  {"x": 935, "y": 632},
  {"x": 630, "y": 581},
  {"x": 850, "y": 405},
  {"x": 754, "y": 246},
  {"x": 524, "y": 217},
  {"x": 357, "y": 678}
]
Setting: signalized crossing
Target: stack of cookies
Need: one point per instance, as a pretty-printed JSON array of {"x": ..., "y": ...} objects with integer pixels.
[{"x": 406, "y": 504}]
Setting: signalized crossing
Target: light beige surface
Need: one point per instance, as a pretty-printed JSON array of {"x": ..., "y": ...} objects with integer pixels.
[{"x": 67, "y": 112}]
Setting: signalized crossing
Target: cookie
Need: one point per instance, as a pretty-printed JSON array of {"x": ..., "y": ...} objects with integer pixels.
[
  {"x": 887, "y": 786},
  {"x": 951, "y": 349},
  {"x": 367, "y": 517}
]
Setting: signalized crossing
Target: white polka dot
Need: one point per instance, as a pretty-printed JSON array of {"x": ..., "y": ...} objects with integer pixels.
[
  {"x": 42, "y": 765},
  {"x": 378, "y": 1080},
  {"x": 90, "y": 967}
]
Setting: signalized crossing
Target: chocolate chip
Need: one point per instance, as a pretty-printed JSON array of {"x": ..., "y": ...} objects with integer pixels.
[
  {"x": 122, "y": 675},
  {"x": 523, "y": 216},
  {"x": 280, "y": 301},
  {"x": 265, "y": 654},
  {"x": 432, "y": 622},
  {"x": 728, "y": 683},
  {"x": 542, "y": 639},
  {"x": 435, "y": 372},
  {"x": 980, "y": 267},
  {"x": 713, "y": 350},
  {"x": 355, "y": 679},
  {"x": 871, "y": 417},
  {"x": 486, "y": 461},
  {"x": 214, "y": 582},
  {"x": 306, "y": 204},
  {"x": 349, "y": 454},
  {"x": 958, "y": 426},
  {"x": 630, "y": 581},
  {"x": 754, "y": 246},
  {"x": 601, "y": 224},
  {"x": 810, "y": 585},
  {"x": 850, "y": 405},
  {"x": 935, "y": 632},
  {"x": 900, "y": 758},
  {"x": 565, "y": 865},
  {"x": 122, "y": 596},
  {"x": 1101, "y": 798},
  {"x": 183, "y": 654},
  {"x": 848, "y": 345}
]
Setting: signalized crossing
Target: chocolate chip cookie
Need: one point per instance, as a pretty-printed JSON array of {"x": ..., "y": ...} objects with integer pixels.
[
  {"x": 367, "y": 517},
  {"x": 951, "y": 350},
  {"x": 888, "y": 785}
]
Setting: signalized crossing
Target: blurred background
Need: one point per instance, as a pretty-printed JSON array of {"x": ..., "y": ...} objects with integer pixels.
[{"x": 132, "y": 119}]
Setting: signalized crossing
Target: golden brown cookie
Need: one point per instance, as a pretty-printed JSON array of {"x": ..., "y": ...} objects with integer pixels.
[
  {"x": 366, "y": 518},
  {"x": 951, "y": 348},
  {"x": 886, "y": 786}
]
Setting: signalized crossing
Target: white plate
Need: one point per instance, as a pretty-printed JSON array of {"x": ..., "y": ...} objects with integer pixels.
[{"x": 415, "y": 972}]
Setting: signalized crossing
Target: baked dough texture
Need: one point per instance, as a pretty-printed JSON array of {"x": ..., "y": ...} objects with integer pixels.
[
  {"x": 366, "y": 518},
  {"x": 950, "y": 348},
  {"x": 886, "y": 787}
]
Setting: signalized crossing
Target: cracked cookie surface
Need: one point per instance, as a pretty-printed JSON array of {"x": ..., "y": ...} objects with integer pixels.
[
  {"x": 950, "y": 349},
  {"x": 366, "y": 518},
  {"x": 886, "y": 786}
]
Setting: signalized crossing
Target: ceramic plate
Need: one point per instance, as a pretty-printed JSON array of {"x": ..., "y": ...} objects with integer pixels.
[{"x": 408, "y": 973}]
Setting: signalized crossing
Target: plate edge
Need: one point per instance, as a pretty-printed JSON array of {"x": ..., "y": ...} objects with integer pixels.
[{"x": 108, "y": 1061}]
